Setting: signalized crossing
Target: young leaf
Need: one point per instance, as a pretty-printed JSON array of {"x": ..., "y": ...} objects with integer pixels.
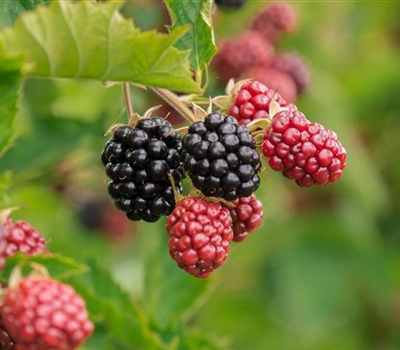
[
  {"x": 92, "y": 40},
  {"x": 10, "y": 80},
  {"x": 200, "y": 37}
]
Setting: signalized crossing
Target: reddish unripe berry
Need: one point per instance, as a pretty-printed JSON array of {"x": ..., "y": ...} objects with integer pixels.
[
  {"x": 6, "y": 342},
  {"x": 253, "y": 100},
  {"x": 275, "y": 20},
  {"x": 238, "y": 54},
  {"x": 246, "y": 214},
  {"x": 293, "y": 64},
  {"x": 275, "y": 79},
  {"x": 303, "y": 151},
  {"x": 19, "y": 237},
  {"x": 45, "y": 314},
  {"x": 199, "y": 234}
]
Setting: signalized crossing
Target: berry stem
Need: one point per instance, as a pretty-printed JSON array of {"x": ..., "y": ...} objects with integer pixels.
[
  {"x": 174, "y": 101},
  {"x": 127, "y": 97}
]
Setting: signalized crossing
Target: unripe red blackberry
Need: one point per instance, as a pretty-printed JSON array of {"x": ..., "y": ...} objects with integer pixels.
[
  {"x": 19, "y": 237},
  {"x": 303, "y": 151},
  {"x": 138, "y": 162},
  {"x": 199, "y": 234},
  {"x": 275, "y": 20},
  {"x": 6, "y": 342},
  {"x": 252, "y": 101},
  {"x": 230, "y": 3},
  {"x": 246, "y": 214},
  {"x": 45, "y": 314},
  {"x": 220, "y": 157},
  {"x": 275, "y": 79},
  {"x": 238, "y": 54},
  {"x": 293, "y": 64}
]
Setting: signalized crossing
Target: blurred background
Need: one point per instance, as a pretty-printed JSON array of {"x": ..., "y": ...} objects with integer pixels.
[{"x": 323, "y": 270}]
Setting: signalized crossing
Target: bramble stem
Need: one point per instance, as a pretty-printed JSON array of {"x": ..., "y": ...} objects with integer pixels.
[
  {"x": 174, "y": 101},
  {"x": 127, "y": 97}
]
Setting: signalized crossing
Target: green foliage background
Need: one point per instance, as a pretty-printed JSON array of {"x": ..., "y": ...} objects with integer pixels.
[{"x": 323, "y": 271}]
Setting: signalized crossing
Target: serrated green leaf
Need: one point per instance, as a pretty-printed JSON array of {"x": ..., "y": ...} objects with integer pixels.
[
  {"x": 199, "y": 38},
  {"x": 59, "y": 267},
  {"x": 92, "y": 40},
  {"x": 10, "y": 80}
]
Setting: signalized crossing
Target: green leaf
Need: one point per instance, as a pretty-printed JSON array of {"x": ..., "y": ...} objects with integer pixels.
[
  {"x": 111, "y": 307},
  {"x": 10, "y": 9},
  {"x": 200, "y": 37},
  {"x": 10, "y": 80},
  {"x": 59, "y": 267},
  {"x": 47, "y": 142},
  {"x": 93, "y": 40}
]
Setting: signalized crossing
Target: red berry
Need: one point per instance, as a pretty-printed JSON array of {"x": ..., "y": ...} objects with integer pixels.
[
  {"x": 19, "y": 237},
  {"x": 275, "y": 20},
  {"x": 275, "y": 79},
  {"x": 199, "y": 234},
  {"x": 45, "y": 314},
  {"x": 303, "y": 151},
  {"x": 238, "y": 54},
  {"x": 252, "y": 101},
  {"x": 246, "y": 216},
  {"x": 294, "y": 65}
]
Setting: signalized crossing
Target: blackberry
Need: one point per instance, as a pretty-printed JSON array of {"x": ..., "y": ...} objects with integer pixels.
[
  {"x": 294, "y": 65},
  {"x": 275, "y": 20},
  {"x": 199, "y": 235},
  {"x": 230, "y": 3},
  {"x": 138, "y": 162},
  {"x": 303, "y": 151},
  {"x": 235, "y": 55},
  {"x": 220, "y": 157}
]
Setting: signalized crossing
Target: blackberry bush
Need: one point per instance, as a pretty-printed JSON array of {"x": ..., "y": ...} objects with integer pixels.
[
  {"x": 138, "y": 161},
  {"x": 220, "y": 157}
]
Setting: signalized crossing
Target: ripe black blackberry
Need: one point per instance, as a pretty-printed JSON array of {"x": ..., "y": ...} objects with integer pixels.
[
  {"x": 138, "y": 162},
  {"x": 230, "y": 3},
  {"x": 220, "y": 157}
]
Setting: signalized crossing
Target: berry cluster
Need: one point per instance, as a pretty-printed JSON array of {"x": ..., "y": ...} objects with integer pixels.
[
  {"x": 19, "y": 237},
  {"x": 252, "y": 54},
  {"x": 139, "y": 161}
]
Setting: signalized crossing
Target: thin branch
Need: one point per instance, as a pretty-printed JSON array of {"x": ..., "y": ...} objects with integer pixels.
[{"x": 127, "y": 97}]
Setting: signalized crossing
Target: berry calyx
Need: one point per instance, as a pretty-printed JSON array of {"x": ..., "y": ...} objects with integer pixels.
[
  {"x": 253, "y": 100},
  {"x": 303, "y": 151},
  {"x": 199, "y": 234},
  {"x": 45, "y": 314},
  {"x": 17, "y": 237},
  {"x": 138, "y": 161},
  {"x": 220, "y": 157},
  {"x": 247, "y": 214}
]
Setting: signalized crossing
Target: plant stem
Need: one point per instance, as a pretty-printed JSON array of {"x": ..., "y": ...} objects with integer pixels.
[
  {"x": 127, "y": 97},
  {"x": 174, "y": 101}
]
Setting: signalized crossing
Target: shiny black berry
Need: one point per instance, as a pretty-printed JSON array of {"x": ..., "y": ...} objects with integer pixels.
[
  {"x": 220, "y": 157},
  {"x": 138, "y": 162},
  {"x": 230, "y": 3}
]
